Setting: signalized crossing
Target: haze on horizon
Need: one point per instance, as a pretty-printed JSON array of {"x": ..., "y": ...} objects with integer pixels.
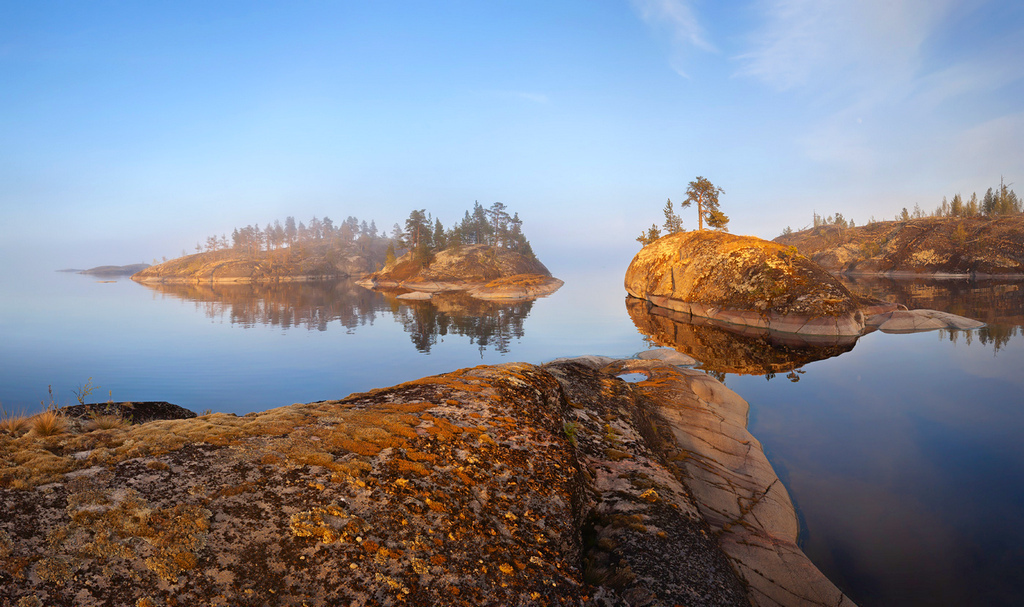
[{"x": 133, "y": 131}]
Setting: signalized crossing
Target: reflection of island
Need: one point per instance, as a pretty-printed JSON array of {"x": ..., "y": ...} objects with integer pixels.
[
  {"x": 999, "y": 303},
  {"x": 317, "y": 305},
  {"x": 722, "y": 348},
  {"x": 486, "y": 323}
]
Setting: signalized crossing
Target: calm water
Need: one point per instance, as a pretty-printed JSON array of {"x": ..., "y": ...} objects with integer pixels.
[{"x": 903, "y": 453}]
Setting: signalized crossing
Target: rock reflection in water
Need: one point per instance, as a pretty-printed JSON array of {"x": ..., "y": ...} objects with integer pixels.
[
  {"x": 735, "y": 349},
  {"x": 488, "y": 324},
  {"x": 999, "y": 303},
  {"x": 312, "y": 305},
  {"x": 317, "y": 305}
]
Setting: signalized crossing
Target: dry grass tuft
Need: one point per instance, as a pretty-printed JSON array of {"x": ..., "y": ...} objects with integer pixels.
[
  {"x": 48, "y": 423},
  {"x": 106, "y": 422},
  {"x": 12, "y": 423}
]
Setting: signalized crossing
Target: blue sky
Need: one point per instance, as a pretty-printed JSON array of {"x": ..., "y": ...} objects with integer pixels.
[{"x": 130, "y": 130}]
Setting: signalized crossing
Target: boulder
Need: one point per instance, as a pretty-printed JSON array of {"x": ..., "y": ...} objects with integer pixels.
[
  {"x": 744, "y": 280},
  {"x": 915, "y": 321}
]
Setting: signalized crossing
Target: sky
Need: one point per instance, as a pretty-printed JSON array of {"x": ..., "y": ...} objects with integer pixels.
[{"x": 129, "y": 131}]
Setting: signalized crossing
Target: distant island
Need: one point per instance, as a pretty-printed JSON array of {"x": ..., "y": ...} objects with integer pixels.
[
  {"x": 278, "y": 252},
  {"x": 485, "y": 254},
  {"x": 925, "y": 246},
  {"x": 127, "y": 270}
]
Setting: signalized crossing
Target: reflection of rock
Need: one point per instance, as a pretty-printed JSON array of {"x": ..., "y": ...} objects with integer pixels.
[
  {"x": 994, "y": 302},
  {"x": 488, "y": 324},
  {"x": 313, "y": 305},
  {"x": 317, "y": 304},
  {"x": 480, "y": 270},
  {"x": 746, "y": 281},
  {"x": 729, "y": 348},
  {"x": 502, "y": 485}
]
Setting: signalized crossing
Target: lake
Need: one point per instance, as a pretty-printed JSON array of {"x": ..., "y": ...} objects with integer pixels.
[{"x": 902, "y": 453}]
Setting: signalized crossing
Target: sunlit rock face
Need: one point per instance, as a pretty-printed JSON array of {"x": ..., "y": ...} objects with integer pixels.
[
  {"x": 727, "y": 348},
  {"x": 746, "y": 281},
  {"x": 955, "y": 246},
  {"x": 482, "y": 271},
  {"x": 503, "y": 485}
]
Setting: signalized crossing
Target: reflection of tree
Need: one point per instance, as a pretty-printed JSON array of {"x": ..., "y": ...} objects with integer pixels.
[
  {"x": 999, "y": 303},
  {"x": 732, "y": 349},
  {"x": 486, "y": 323},
  {"x": 316, "y": 305},
  {"x": 313, "y": 305}
]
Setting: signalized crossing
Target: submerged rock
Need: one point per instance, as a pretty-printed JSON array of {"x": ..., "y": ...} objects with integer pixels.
[
  {"x": 745, "y": 280},
  {"x": 505, "y": 485}
]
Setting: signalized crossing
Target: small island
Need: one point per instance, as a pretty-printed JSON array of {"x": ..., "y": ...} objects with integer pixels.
[{"x": 486, "y": 255}]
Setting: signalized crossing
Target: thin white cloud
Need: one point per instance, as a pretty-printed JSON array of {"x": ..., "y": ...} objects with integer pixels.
[
  {"x": 846, "y": 43},
  {"x": 531, "y": 96},
  {"x": 891, "y": 95},
  {"x": 677, "y": 18},
  {"x": 534, "y": 97}
]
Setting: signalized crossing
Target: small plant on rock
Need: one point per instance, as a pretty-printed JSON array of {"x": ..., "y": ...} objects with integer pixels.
[{"x": 12, "y": 423}]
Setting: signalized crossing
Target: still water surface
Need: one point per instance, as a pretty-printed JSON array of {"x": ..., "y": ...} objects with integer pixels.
[{"x": 903, "y": 453}]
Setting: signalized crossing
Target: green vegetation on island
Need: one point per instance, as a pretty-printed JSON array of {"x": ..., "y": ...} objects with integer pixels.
[
  {"x": 704, "y": 194},
  {"x": 321, "y": 249}
]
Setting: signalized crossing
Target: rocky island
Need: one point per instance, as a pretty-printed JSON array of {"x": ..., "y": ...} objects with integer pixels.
[
  {"x": 931, "y": 246},
  {"x": 482, "y": 271},
  {"x": 747, "y": 281},
  {"x": 514, "y": 484}
]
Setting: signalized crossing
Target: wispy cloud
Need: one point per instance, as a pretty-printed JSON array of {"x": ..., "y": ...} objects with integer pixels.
[
  {"x": 890, "y": 88},
  {"x": 675, "y": 17},
  {"x": 534, "y": 97},
  {"x": 531, "y": 96},
  {"x": 853, "y": 43}
]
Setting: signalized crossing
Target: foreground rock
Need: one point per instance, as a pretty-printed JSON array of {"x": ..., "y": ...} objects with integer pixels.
[
  {"x": 482, "y": 271},
  {"x": 744, "y": 280},
  {"x": 967, "y": 246},
  {"x": 507, "y": 485}
]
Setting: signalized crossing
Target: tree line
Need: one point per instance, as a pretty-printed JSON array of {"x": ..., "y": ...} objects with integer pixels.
[
  {"x": 423, "y": 234},
  {"x": 491, "y": 226},
  {"x": 999, "y": 201}
]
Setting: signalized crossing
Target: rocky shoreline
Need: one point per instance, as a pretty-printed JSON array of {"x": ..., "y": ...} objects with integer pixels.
[{"x": 513, "y": 484}]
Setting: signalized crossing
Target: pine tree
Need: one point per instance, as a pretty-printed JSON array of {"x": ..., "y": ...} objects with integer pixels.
[
  {"x": 673, "y": 223},
  {"x": 705, "y": 194}
]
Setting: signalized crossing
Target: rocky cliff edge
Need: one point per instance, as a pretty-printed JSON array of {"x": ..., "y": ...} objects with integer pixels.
[{"x": 505, "y": 485}]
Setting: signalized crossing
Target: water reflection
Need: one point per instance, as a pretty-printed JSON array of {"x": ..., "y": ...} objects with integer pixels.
[
  {"x": 722, "y": 348},
  {"x": 1000, "y": 303},
  {"x": 487, "y": 324},
  {"x": 319, "y": 304}
]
